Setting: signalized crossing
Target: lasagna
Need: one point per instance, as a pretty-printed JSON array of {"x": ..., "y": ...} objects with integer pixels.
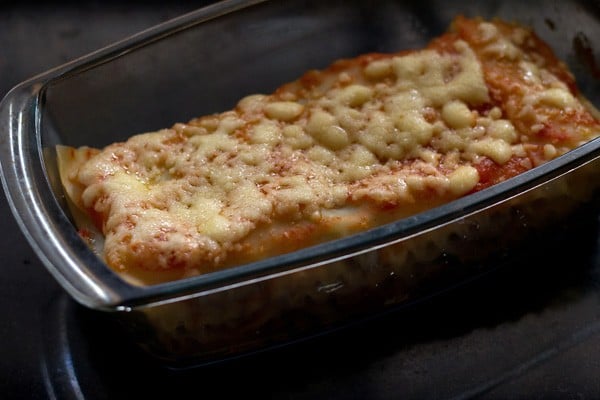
[{"x": 364, "y": 142}]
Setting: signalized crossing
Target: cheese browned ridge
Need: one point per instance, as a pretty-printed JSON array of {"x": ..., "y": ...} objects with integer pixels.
[{"x": 364, "y": 142}]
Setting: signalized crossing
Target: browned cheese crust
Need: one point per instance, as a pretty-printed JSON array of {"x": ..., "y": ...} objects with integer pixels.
[{"x": 364, "y": 142}]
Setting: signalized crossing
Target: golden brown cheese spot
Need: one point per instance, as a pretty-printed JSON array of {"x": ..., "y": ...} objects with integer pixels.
[
  {"x": 283, "y": 110},
  {"x": 457, "y": 115},
  {"x": 361, "y": 143}
]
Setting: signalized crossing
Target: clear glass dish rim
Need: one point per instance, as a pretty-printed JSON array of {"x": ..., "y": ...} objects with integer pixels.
[{"x": 105, "y": 291}]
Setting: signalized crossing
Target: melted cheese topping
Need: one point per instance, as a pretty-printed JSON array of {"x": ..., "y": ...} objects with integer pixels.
[{"x": 364, "y": 142}]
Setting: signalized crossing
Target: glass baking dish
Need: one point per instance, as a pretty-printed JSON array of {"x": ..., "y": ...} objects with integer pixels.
[{"x": 203, "y": 62}]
